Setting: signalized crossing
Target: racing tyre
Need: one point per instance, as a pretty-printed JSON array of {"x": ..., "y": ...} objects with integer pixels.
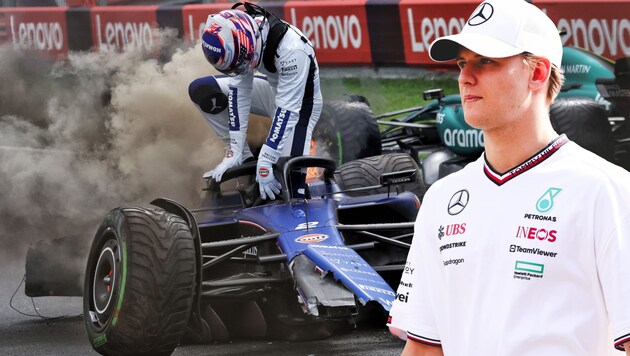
[
  {"x": 365, "y": 172},
  {"x": 585, "y": 123},
  {"x": 347, "y": 130},
  {"x": 139, "y": 282}
]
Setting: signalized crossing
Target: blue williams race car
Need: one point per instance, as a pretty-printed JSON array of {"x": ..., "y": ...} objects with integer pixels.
[{"x": 296, "y": 268}]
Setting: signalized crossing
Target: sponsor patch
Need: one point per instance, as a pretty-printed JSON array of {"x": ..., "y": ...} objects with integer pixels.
[
  {"x": 311, "y": 238},
  {"x": 533, "y": 251},
  {"x": 546, "y": 201},
  {"x": 451, "y": 230},
  {"x": 528, "y": 270},
  {"x": 534, "y": 233},
  {"x": 455, "y": 261},
  {"x": 458, "y": 202},
  {"x": 452, "y": 245}
]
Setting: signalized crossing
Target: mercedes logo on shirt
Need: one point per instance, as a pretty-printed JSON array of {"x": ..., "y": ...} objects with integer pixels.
[
  {"x": 458, "y": 202},
  {"x": 481, "y": 15}
]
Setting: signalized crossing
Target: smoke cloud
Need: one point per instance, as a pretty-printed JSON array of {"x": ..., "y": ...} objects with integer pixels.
[{"x": 93, "y": 132}]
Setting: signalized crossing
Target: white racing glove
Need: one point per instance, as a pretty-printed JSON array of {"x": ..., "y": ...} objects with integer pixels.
[
  {"x": 233, "y": 156},
  {"x": 268, "y": 184}
]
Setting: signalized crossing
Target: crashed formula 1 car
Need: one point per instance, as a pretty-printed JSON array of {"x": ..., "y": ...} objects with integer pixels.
[{"x": 297, "y": 268}]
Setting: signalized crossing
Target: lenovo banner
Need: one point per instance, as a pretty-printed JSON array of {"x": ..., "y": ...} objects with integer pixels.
[
  {"x": 42, "y": 29},
  {"x": 602, "y": 27},
  {"x": 195, "y": 16},
  {"x": 117, "y": 28},
  {"x": 337, "y": 29},
  {"x": 425, "y": 20}
]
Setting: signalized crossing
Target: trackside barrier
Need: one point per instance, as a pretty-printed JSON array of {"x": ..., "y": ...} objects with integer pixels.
[{"x": 351, "y": 32}]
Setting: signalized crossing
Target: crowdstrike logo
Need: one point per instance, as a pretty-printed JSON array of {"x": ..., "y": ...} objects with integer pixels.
[
  {"x": 482, "y": 14},
  {"x": 458, "y": 202}
]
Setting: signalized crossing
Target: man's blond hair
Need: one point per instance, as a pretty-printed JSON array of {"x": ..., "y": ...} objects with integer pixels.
[{"x": 556, "y": 78}]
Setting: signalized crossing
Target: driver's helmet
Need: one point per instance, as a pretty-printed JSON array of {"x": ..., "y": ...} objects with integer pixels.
[{"x": 231, "y": 42}]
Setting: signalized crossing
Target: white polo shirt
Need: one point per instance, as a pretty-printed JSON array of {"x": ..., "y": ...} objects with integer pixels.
[{"x": 532, "y": 262}]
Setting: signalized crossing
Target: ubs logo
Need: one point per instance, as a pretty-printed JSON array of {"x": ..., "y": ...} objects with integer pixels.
[
  {"x": 482, "y": 14},
  {"x": 451, "y": 230},
  {"x": 458, "y": 202}
]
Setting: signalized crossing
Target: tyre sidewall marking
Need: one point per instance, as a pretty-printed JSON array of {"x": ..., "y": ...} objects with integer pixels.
[{"x": 122, "y": 283}]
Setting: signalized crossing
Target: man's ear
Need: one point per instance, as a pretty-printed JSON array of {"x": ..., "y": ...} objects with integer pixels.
[{"x": 540, "y": 74}]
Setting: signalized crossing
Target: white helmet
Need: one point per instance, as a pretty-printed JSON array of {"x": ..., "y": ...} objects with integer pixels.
[{"x": 231, "y": 42}]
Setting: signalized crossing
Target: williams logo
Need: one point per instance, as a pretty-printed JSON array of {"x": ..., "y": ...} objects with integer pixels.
[
  {"x": 528, "y": 270},
  {"x": 458, "y": 202}
]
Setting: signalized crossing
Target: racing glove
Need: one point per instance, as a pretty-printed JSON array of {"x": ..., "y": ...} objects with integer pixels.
[
  {"x": 233, "y": 156},
  {"x": 268, "y": 184}
]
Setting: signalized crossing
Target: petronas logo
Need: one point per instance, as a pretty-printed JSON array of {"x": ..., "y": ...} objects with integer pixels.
[{"x": 545, "y": 202}]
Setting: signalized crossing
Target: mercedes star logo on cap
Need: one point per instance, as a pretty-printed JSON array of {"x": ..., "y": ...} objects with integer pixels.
[
  {"x": 481, "y": 15},
  {"x": 458, "y": 202}
]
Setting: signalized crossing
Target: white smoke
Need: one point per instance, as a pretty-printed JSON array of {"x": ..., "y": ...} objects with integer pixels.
[{"x": 96, "y": 131}]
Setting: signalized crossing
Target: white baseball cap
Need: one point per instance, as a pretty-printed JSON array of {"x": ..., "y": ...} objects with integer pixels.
[{"x": 503, "y": 28}]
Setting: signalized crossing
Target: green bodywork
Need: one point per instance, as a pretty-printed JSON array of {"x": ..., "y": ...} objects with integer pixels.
[{"x": 581, "y": 69}]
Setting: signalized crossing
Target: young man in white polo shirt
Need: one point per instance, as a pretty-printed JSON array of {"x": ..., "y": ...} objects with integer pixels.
[{"x": 527, "y": 250}]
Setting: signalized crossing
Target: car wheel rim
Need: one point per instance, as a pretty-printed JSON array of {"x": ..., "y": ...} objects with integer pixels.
[{"x": 104, "y": 283}]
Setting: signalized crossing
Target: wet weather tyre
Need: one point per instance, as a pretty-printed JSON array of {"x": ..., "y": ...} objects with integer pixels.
[
  {"x": 347, "y": 130},
  {"x": 584, "y": 122},
  {"x": 139, "y": 283},
  {"x": 365, "y": 172}
]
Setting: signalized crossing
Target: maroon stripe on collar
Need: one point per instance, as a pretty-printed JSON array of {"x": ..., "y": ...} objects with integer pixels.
[{"x": 536, "y": 159}]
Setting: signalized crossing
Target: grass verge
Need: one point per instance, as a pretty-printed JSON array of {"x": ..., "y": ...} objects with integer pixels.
[{"x": 386, "y": 94}]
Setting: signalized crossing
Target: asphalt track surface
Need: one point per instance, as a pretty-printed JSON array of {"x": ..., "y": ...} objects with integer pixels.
[{"x": 24, "y": 335}]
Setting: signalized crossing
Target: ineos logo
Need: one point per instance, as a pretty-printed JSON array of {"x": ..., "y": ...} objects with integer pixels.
[
  {"x": 482, "y": 14},
  {"x": 458, "y": 202}
]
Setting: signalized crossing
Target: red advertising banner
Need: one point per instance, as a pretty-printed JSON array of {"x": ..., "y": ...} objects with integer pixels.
[
  {"x": 337, "y": 29},
  {"x": 423, "y": 21},
  {"x": 602, "y": 27},
  {"x": 194, "y": 19},
  {"x": 38, "y": 28},
  {"x": 116, "y": 28}
]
